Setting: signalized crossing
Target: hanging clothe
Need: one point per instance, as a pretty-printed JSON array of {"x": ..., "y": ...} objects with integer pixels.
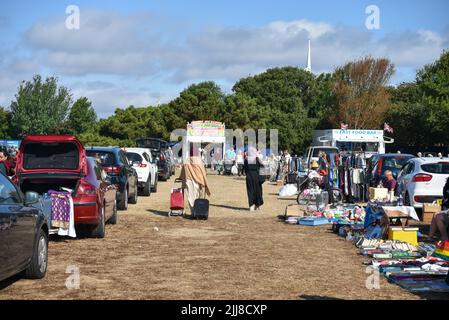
[{"x": 62, "y": 213}]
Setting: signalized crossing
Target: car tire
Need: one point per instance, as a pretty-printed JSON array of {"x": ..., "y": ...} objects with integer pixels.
[
  {"x": 154, "y": 188},
  {"x": 146, "y": 192},
  {"x": 114, "y": 217},
  {"x": 99, "y": 230},
  {"x": 123, "y": 203},
  {"x": 39, "y": 261},
  {"x": 133, "y": 199},
  {"x": 168, "y": 175}
]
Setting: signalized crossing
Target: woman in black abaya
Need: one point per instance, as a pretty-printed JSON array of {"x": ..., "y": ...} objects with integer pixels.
[{"x": 253, "y": 183}]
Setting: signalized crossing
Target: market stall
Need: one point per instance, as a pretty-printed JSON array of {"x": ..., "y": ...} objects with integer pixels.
[
  {"x": 380, "y": 231},
  {"x": 205, "y": 139}
]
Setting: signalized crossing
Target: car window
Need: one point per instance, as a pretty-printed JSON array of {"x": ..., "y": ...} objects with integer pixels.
[
  {"x": 103, "y": 157},
  {"x": 393, "y": 162},
  {"x": 440, "y": 167},
  {"x": 123, "y": 158},
  {"x": 411, "y": 168},
  {"x": 51, "y": 155},
  {"x": 134, "y": 157},
  {"x": 147, "y": 157},
  {"x": 95, "y": 170},
  {"x": 8, "y": 193}
]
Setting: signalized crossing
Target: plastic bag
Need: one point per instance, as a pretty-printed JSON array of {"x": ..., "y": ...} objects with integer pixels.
[
  {"x": 234, "y": 170},
  {"x": 288, "y": 190}
]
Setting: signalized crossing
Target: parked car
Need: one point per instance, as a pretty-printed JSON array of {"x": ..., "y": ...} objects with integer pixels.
[
  {"x": 23, "y": 233},
  {"x": 422, "y": 180},
  {"x": 53, "y": 162},
  {"x": 146, "y": 168},
  {"x": 379, "y": 163},
  {"x": 158, "y": 149},
  {"x": 113, "y": 160}
]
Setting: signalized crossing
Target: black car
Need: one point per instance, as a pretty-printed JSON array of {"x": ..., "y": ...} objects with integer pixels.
[
  {"x": 23, "y": 233},
  {"x": 159, "y": 151},
  {"x": 379, "y": 163},
  {"x": 113, "y": 160}
]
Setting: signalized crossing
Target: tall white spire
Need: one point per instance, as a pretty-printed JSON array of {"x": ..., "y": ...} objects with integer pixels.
[{"x": 309, "y": 59}]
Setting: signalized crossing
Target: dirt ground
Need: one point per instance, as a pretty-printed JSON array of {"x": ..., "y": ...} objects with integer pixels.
[{"x": 233, "y": 255}]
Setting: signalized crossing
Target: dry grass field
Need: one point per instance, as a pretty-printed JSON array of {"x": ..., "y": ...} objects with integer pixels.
[{"x": 233, "y": 255}]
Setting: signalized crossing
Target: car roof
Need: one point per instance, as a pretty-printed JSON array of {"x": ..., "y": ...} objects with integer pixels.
[
  {"x": 397, "y": 155},
  {"x": 104, "y": 149},
  {"x": 425, "y": 160},
  {"x": 137, "y": 150}
]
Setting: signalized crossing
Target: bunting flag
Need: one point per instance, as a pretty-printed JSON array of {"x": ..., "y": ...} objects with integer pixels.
[{"x": 388, "y": 128}]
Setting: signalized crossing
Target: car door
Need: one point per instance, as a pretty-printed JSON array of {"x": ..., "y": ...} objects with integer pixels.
[
  {"x": 130, "y": 172},
  {"x": 106, "y": 188},
  {"x": 400, "y": 179},
  {"x": 5, "y": 238},
  {"x": 22, "y": 224},
  {"x": 406, "y": 177},
  {"x": 150, "y": 165}
]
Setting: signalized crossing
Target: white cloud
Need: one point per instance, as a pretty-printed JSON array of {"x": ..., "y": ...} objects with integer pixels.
[{"x": 142, "y": 46}]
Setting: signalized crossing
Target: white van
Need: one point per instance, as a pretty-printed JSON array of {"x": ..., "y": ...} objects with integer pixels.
[{"x": 368, "y": 141}]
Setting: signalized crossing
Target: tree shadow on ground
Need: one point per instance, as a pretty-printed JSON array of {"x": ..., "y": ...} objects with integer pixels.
[{"x": 229, "y": 207}]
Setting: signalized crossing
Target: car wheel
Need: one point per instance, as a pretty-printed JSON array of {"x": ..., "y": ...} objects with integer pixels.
[
  {"x": 167, "y": 176},
  {"x": 154, "y": 189},
  {"x": 39, "y": 260},
  {"x": 146, "y": 192},
  {"x": 133, "y": 199},
  {"x": 114, "y": 218},
  {"x": 99, "y": 230},
  {"x": 123, "y": 203}
]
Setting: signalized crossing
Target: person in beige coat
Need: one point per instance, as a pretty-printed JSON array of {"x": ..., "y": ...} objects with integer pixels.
[{"x": 194, "y": 180}]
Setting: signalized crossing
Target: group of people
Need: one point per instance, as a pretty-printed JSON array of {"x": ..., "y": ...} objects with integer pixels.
[
  {"x": 440, "y": 221},
  {"x": 194, "y": 177}
]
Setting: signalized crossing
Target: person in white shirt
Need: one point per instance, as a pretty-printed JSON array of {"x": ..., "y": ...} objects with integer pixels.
[{"x": 240, "y": 160}]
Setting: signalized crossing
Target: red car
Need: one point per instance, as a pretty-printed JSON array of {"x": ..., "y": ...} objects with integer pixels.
[{"x": 52, "y": 162}]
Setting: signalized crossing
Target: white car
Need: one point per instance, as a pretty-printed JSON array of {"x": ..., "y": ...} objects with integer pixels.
[
  {"x": 421, "y": 180},
  {"x": 146, "y": 168}
]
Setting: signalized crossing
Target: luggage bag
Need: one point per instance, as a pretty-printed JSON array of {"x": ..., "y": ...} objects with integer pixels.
[
  {"x": 176, "y": 202},
  {"x": 201, "y": 209}
]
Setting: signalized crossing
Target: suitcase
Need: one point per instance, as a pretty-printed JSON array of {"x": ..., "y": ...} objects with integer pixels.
[
  {"x": 201, "y": 209},
  {"x": 176, "y": 201}
]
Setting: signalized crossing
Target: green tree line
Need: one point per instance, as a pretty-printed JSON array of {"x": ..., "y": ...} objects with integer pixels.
[{"x": 289, "y": 99}]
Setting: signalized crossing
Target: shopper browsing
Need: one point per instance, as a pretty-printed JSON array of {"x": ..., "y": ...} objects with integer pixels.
[{"x": 389, "y": 182}]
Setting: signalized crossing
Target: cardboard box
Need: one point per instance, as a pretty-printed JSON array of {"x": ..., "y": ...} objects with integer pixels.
[
  {"x": 428, "y": 210},
  {"x": 378, "y": 193},
  {"x": 409, "y": 235}
]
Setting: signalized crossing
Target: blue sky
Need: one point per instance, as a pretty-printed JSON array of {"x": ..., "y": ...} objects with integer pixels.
[{"x": 143, "y": 52}]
